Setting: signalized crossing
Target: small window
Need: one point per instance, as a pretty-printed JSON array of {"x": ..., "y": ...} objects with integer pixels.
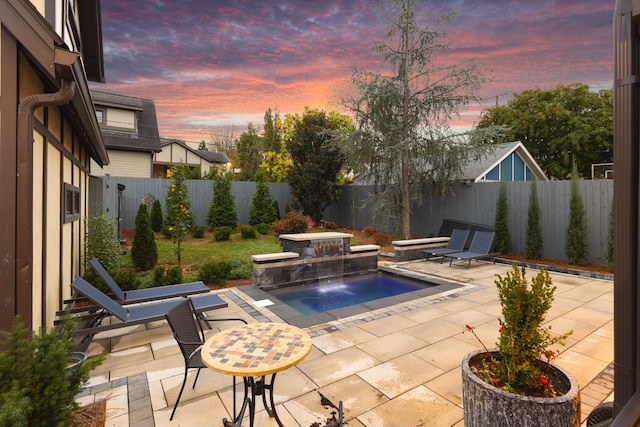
[
  {"x": 100, "y": 116},
  {"x": 71, "y": 203}
]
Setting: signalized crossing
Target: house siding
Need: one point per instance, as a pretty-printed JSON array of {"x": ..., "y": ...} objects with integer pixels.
[{"x": 125, "y": 163}]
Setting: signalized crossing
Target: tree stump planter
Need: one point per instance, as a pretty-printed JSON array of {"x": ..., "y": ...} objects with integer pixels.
[{"x": 486, "y": 405}]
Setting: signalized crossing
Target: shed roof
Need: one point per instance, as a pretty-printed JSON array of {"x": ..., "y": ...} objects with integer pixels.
[{"x": 474, "y": 171}]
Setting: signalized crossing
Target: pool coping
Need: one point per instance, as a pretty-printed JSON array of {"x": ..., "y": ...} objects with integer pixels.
[{"x": 445, "y": 289}]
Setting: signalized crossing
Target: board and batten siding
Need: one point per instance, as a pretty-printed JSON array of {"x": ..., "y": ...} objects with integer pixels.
[
  {"x": 130, "y": 163},
  {"x": 355, "y": 208}
]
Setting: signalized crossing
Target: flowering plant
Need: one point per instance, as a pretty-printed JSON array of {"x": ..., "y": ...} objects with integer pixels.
[{"x": 517, "y": 366}]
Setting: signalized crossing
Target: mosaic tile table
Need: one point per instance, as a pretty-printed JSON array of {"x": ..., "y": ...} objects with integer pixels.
[{"x": 256, "y": 350}]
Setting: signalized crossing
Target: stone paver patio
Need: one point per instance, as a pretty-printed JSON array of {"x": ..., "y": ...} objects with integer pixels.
[{"x": 398, "y": 365}]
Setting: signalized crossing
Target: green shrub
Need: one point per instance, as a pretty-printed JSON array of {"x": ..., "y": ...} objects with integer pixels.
[
  {"x": 293, "y": 222},
  {"x": 240, "y": 271},
  {"x": 247, "y": 232},
  {"x": 127, "y": 280},
  {"x": 156, "y": 216},
  {"x": 263, "y": 228},
  {"x": 222, "y": 233},
  {"x": 36, "y": 388},
  {"x": 102, "y": 241},
  {"x": 163, "y": 277},
  {"x": 215, "y": 272},
  {"x": 144, "y": 252},
  {"x": 198, "y": 231},
  {"x": 275, "y": 210}
]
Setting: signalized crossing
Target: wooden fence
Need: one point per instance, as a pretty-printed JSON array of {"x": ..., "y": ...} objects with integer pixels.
[{"x": 467, "y": 202}]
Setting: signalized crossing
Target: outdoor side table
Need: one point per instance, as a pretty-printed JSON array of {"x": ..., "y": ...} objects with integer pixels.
[{"x": 252, "y": 352}]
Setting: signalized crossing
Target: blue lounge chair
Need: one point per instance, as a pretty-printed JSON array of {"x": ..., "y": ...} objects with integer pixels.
[
  {"x": 457, "y": 241},
  {"x": 134, "y": 314},
  {"x": 481, "y": 246},
  {"x": 147, "y": 294}
]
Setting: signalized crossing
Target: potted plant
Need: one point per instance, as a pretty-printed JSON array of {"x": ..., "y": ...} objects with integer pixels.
[{"x": 517, "y": 381}]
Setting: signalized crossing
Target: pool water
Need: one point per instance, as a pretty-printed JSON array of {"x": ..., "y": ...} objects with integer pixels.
[{"x": 343, "y": 292}]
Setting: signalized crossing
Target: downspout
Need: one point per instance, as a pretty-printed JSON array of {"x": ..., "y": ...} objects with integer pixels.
[{"x": 24, "y": 194}]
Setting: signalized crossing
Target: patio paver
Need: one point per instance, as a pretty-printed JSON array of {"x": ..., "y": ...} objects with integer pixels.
[{"x": 398, "y": 365}]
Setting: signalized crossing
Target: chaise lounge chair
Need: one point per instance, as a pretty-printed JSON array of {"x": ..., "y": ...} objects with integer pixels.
[
  {"x": 134, "y": 314},
  {"x": 147, "y": 294},
  {"x": 481, "y": 246},
  {"x": 456, "y": 244}
]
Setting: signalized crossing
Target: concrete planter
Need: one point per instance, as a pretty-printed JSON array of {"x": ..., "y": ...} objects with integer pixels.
[{"x": 486, "y": 405}]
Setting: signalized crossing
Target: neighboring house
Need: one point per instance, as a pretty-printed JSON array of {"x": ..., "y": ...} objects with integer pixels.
[
  {"x": 175, "y": 152},
  {"x": 130, "y": 131},
  {"x": 510, "y": 161},
  {"x": 48, "y": 134}
]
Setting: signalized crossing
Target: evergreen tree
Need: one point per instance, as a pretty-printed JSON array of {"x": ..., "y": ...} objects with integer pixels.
[
  {"x": 222, "y": 211},
  {"x": 156, "y": 216},
  {"x": 144, "y": 251},
  {"x": 503, "y": 240},
  {"x": 534, "y": 241},
  {"x": 179, "y": 218},
  {"x": 202, "y": 146},
  {"x": 610, "y": 234},
  {"x": 576, "y": 247},
  {"x": 261, "y": 210},
  {"x": 102, "y": 241}
]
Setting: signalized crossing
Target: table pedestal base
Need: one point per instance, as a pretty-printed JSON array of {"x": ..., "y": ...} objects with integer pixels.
[{"x": 258, "y": 387}]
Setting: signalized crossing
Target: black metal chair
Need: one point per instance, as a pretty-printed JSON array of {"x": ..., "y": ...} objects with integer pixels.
[{"x": 188, "y": 332}]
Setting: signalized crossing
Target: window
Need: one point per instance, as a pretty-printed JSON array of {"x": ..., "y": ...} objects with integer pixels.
[
  {"x": 100, "y": 115},
  {"x": 71, "y": 203}
]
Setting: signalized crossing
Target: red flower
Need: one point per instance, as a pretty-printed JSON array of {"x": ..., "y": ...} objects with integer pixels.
[
  {"x": 495, "y": 381},
  {"x": 501, "y": 330},
  {"x": 543, "y": 380}
]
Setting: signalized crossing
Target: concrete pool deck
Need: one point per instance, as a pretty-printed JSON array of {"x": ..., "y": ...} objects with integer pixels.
[{"x": 391, "y": 366}]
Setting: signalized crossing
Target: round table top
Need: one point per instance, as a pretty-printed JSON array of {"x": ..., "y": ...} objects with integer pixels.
[{"x": 256, "y": 349}]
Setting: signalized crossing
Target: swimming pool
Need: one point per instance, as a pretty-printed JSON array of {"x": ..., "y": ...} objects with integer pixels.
[
  {"x": 341, "y": 302},
  {"x": 341, "y": 292}
]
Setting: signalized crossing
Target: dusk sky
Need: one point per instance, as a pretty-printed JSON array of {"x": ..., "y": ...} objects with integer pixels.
[{"x": 211, "y": 66}]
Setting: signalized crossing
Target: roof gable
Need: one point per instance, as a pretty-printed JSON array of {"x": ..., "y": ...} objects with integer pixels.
[{"x": 476, "y": 170}]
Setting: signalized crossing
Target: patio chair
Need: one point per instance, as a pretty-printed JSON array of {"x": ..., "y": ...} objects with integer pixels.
[
  {"x": 457, "y": 241},
  {"x": 134, "y": 314},
  {"x": 481, "y": 246},
  {"x": 187, "y": 331},
  {"x": 147, "y": 294}
]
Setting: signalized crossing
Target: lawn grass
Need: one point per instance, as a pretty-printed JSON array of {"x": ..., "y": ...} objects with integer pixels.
[{"x": 197, "y": 252}]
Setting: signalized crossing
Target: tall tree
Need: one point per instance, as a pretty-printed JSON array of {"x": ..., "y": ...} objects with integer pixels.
[
  {"x": 179, "y": 218},
  {"x": 203, "y": 146},
  {"x": 272, "y": 139},
  {"x": 576, "y": 245},
  {"x": 144, "y": 252},
  {"x": 317, "y": 159},
  {"x": 503, "y": 238},
  {"x": 222, "y": 210},
  {"x": 249, "y": 152},
  {"x": 534, "y": 242},
  {"x": 557, "y": 126},
  {"x": 403, "y": 140}
]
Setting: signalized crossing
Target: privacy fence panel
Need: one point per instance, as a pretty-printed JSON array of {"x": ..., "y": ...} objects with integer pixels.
[
  {"x": 355, "y": 207},
  {"x": 200, "y": 193}
]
